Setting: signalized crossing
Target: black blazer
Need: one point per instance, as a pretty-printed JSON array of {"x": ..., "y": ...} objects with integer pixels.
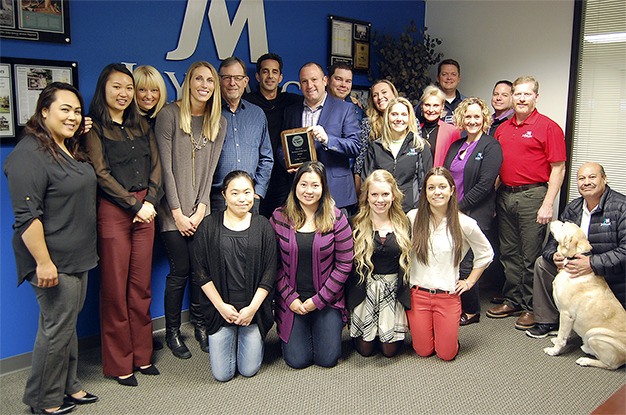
[{"x": 479, "y": 177}]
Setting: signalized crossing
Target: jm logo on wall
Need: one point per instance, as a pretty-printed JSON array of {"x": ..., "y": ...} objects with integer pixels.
[{"x": 226, "y": 34}]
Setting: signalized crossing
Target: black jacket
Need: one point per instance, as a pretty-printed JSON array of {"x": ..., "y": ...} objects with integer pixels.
[
  {"x": 479, "y": 176},
  {"x": 209, "y": 265},
  {"x": 408, "y": 168},
  {"x": 607, "y": 235}
]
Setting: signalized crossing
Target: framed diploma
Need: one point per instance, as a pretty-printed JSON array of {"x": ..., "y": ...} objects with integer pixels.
[{"x": 298, "y": 146}]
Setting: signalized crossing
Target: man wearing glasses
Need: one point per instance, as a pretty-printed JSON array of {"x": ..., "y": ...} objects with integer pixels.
[
  {"x": 533, "y": 148},
  {"x": 247, "y": 144}
]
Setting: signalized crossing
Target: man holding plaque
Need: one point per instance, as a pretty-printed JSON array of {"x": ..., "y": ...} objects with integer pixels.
[
  {"x": 273, "y": 101},
  {"x": 333, "y": 125},
  {"x": 247, "y": 144}
]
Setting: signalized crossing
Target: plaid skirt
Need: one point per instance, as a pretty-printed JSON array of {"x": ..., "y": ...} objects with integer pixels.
[{"x": 380, "y": 314}]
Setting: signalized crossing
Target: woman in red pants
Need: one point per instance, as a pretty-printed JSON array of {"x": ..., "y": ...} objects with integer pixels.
[
  {"x": 123, "y": 151},
  {"x": 441, "y": 237}
]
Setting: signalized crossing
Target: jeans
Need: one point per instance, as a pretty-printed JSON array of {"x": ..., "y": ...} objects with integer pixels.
[
  {"x": 234, "y": 348},
  {"x": 315, "y": 339}
]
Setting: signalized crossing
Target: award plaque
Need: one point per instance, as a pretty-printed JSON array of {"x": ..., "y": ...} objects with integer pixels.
[{"x": 298, "y": 146}]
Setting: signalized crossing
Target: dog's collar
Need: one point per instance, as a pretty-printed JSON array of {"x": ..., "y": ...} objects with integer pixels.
[{"x": 588, "y": 253}]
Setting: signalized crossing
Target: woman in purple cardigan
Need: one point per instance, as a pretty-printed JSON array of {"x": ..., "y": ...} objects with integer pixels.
[{"x": 315, "y": 242}]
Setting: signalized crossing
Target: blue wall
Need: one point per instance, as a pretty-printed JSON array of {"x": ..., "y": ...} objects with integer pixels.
[{"x": 143, "y": 32}]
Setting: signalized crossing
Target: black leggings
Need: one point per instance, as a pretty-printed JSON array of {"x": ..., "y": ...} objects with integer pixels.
[{"x": 179, "y": 250}]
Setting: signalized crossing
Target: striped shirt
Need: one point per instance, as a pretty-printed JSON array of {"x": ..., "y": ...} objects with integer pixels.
[{"x": 332, "y": 263}]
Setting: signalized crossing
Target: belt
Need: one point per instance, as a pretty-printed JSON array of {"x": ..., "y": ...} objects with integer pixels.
[
  {"x": 522, "y": 188},
  {"x": 431, "y": 290}
]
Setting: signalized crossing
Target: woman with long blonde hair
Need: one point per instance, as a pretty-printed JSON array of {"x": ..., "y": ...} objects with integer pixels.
[
  {"x": 190, "y": 133},
  {"x": 377, "y": 292},
  {"x": 401, "y": 151},
  {"x": 381, "y": 92}
]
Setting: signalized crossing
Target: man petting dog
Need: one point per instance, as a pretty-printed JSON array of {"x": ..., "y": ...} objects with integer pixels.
[{"x": 601, "y": 214}]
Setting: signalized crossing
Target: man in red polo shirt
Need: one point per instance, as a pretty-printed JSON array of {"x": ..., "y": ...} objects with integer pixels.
[{"x": 533, "y": 148}]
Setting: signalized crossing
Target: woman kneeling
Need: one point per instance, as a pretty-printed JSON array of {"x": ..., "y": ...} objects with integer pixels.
[{"x": 235, "y": 264}]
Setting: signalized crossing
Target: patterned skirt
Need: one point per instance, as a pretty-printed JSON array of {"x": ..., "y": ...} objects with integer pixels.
[{"x": 380, "y": 314}]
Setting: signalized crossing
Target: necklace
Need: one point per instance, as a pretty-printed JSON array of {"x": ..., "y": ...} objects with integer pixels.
[
  {"x": 195, "y": 146},
  {"x": 429, "y": 132}
]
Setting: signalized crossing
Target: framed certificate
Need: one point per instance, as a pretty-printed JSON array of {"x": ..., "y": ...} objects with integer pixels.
[
  {"x": 349, "y": 42},
  {"x": 298, "y": 146}
]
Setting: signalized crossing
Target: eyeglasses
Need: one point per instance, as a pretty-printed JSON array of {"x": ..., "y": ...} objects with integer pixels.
[{"x": 236, "y": 78}]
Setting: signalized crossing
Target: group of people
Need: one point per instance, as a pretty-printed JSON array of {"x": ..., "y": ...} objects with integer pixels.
[{"x": 388, "y": 231}]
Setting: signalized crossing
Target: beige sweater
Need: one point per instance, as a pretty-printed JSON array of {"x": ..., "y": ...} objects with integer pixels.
[{"x": 175, "y": 149}]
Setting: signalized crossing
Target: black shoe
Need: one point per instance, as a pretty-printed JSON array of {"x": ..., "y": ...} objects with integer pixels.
[
  {"x": 542, "y": 330},
  {"x": 150, "y": 370},
  {"x": 89, "y": 398},
  {"x": 156, "y": 345},
  {"x": 465, "y": 320},
  {"x": 66, "y": 408},
  {"x": 177, "y": 345},
  {"x": 203, "y": 338},
  {"x": 129, "y": 381}
]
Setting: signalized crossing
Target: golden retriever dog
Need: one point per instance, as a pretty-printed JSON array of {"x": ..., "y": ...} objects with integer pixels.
[{"x": 587, "y": 305}]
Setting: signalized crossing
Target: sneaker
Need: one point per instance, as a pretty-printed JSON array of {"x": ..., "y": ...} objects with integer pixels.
[{"x": 543, "y": 330}]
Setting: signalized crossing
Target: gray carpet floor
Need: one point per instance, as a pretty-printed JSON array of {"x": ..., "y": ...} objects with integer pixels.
[{"x": 499, "y": 371}]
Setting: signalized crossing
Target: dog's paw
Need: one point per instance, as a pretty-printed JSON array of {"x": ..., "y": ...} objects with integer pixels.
[
  {"x": 553, "y": 340},
  {"x": 552, "y": 351},
  {"x": 584, "y": 361}
]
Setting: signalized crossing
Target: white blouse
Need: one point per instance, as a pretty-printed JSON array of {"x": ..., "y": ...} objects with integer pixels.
[{"x": 441, "y": 272}]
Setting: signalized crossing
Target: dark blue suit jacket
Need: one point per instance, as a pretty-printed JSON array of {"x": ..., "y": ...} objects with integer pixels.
[{"x": 339, "y": 120}]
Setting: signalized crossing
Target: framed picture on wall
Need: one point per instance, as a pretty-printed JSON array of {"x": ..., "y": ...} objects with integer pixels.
[
  {"x": 349, "y": 42},
  {"x": 7, "y": 109},
  {"x": 38, "y": 20},
  {"x": 21, "y": 82}
]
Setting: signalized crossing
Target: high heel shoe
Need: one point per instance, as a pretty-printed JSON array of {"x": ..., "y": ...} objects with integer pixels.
[
  {"x": 66, "y": 408},
  {"x": 129, "y": 381},
  {"x": 87, "y": 399},
  {"x": 150, "y": 370}
]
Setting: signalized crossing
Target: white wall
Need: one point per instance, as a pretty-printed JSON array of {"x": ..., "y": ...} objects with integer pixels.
[{"x": 504, "y": 39}]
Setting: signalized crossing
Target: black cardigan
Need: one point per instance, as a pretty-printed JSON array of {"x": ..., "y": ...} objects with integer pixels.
[
  {"x": 260, "y": 268},
  {"x": 479, "y": 176}
]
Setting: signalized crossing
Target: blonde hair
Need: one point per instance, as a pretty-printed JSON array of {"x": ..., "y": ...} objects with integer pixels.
[
  {"x": 148, "y": 77},
  {"x": 376, "y": 117},
  {"x": 418, "y": 142},
  {"x": 459, "y": 113},
  {"x": 325, "y": 213},
  {"x": 526, "y": 80},
  {"x": 363, "y": 230},
  {"x": 434, "y": 91},
  {"x": 212, "y": 110}
]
